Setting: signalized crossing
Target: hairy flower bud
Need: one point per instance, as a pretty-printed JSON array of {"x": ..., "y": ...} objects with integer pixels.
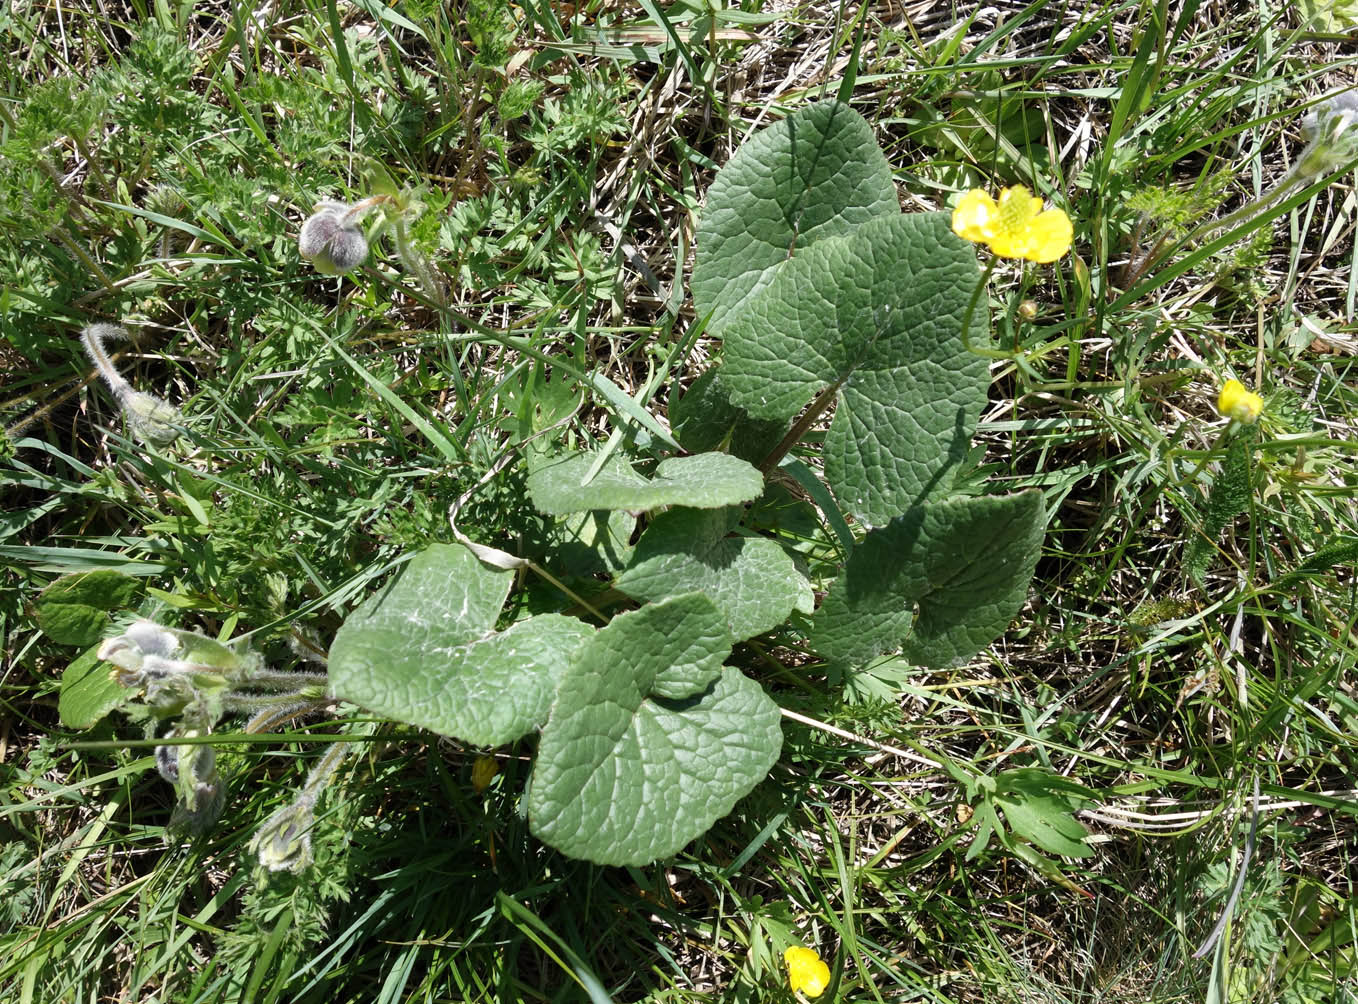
[
  {"x": 331, "y": 239},
  {"x": 202, "y": 795},
  {"x": 167, "y": 762},
  {"x": 175, "y": 669},
  {"x": 283, "y": 843},
  {"x": 1329, "y": 131},
  {"x": 152, "y": 420}
]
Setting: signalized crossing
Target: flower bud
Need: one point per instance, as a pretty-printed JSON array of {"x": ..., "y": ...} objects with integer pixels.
[
  {"x": 1027, "y": 309},
  {"x": 202, "y": 795},
  {"x": 1237, "y": 403},
  {"x": 483, "y": 772},
  {"x": 152, "y": 420},
  {"x": 174, "y": 668},
  {"x": 167, "y": 762},
  {"x": 331, "y": 241},
  {"x": 283, "y": 843},
  {"x": 1329, "y": 131},
  {"x": 807, "y": 973}
]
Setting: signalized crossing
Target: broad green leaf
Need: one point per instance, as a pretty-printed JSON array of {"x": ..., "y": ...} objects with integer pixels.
[
  {"x": 88, "y": 691},
  {"x": 752, "y": 580},
  {"x": 876, "y": 315},
  {"x": 1037, "y": 806},
  {"x": 1331, "y": 15},
  {"x": 940, "y": 582},
  {"x": 423, "y": 651},
  {"x": 706, "y": 481},
  {"x": 651, "y": 740},
  {"x": 705, "y": 419},
  {"x": 817, "y": 173},
  {"x": 74, "y": 610},
  {"x": 583, "y": 543}
]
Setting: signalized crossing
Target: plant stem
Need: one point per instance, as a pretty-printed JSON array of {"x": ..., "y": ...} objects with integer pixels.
[
  {"x": 265, "y": 720},
  {"x": 981, "y": 286},
  {"x": 413, "y": 259},
  {"x": 89, "y": 263},
  {"x": 278, "y": 679},
  {"x": 801, "y": 427},
  {"x": 325, "y": 767},
  {"x": 265, "y": 705}
]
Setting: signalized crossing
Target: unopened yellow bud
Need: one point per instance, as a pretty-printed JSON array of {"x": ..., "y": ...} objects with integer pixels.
[
  {"x": 1235, "y": 402},
  {"x": 483, "y": 772}
]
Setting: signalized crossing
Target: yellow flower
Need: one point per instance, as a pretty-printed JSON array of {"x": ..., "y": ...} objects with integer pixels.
[
  {"x": 806, "y": 973},
  {"x": 1238, "y": 403},
  {"x": 1015, "y": 227}
]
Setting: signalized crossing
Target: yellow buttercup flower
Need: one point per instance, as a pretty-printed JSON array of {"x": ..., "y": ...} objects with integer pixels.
[
  {"x": 806, "y": 973},
  {"x": 1236, "y": 402},
  {"x": 1015, "y": 227}
]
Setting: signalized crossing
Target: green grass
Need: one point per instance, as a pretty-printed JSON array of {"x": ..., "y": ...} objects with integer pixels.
[{"x": 157, "y": 163}]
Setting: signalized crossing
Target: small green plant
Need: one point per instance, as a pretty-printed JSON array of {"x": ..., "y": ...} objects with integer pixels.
[
  {"x": 825, "y": 295},
  {"x": 1331, "y": 141}
]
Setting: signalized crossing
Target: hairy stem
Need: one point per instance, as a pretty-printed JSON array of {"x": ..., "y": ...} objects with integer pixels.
[
  {"x": 414, "y": 260},
  {"x": 93, "y": 339}
]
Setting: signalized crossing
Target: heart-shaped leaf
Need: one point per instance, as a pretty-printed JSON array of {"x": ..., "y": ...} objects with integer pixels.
[
  {"x": 966, "y": 564},
  {"x": 423, "y": 650},
  {"x": 752, "y": 580},
  {"x": 706, "y": 481},
  {"x": 877, "y": 315},
  {"x": 817, "y": 173},
  {"x": 651, "y": 739}
]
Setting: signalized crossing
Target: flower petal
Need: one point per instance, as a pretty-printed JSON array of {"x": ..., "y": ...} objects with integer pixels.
[
  {"x": 806, "y": 973},
  {"x": 1237, "y": 403},
  {"x": 1010, "y": 244},
  {"x": 1049, "y": 236},
  {"x": 974, "y": 216}
]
